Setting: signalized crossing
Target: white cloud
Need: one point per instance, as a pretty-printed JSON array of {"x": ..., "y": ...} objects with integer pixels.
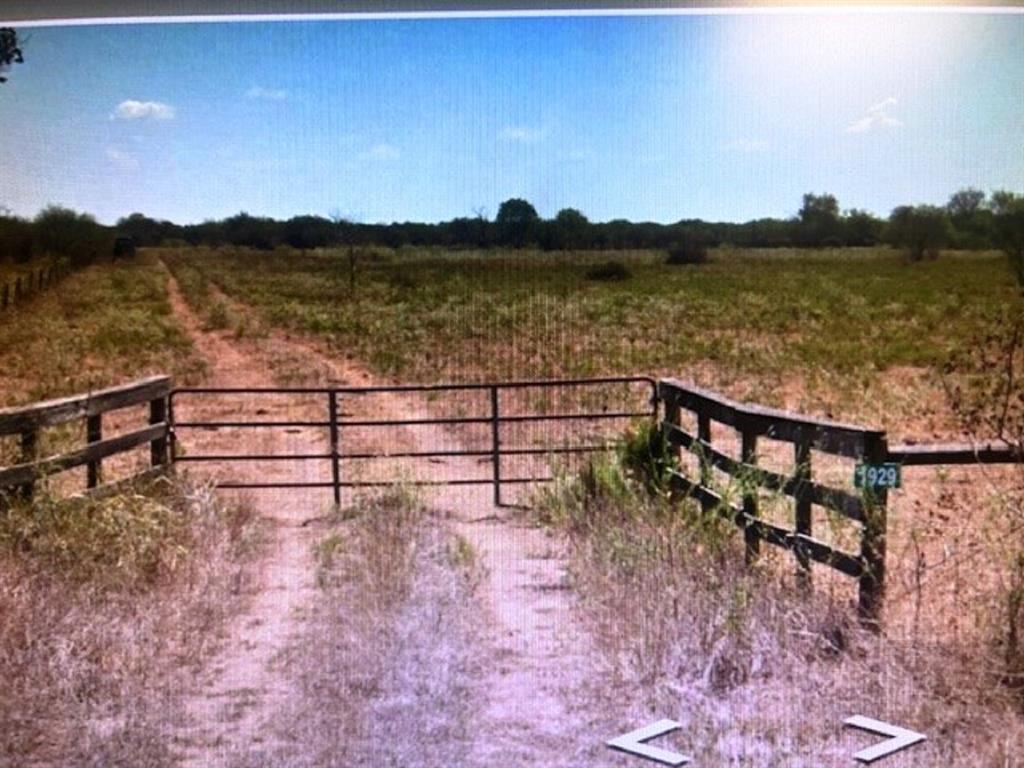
[
  {"x": 122, "y": 160},
  {"x": 747, "y": 145},
  {"x": 383, "y": 151},
  {"x": 877, "y": 117},
  {"x": 522, "y": 134},
  {"x": 143, "y": 110},
  {"x": 266, "y": 94}
]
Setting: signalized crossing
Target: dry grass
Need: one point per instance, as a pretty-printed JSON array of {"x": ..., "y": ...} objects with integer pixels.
[
  {"x": 757, "y": 672},
  {"x": 108, "y": 606},
  {"x": 384, "y": 667}
]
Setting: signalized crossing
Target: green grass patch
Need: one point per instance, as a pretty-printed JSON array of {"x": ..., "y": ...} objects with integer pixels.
[{"x": 836, "y": 322}]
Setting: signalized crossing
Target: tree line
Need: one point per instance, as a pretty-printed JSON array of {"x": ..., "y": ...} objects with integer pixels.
[{"x": 970, "y": 220}]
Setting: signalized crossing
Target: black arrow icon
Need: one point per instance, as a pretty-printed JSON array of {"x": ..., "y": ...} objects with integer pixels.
[
  {"x": 899, "y": 738},
  {"x": 632, "y": 743}
]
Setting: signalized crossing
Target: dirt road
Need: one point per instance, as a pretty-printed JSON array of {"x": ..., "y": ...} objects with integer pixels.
[{"x": 532, "y": 700}]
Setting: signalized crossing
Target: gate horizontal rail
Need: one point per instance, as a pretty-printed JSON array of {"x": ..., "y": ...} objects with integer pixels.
[{"x": 337, "y": 422}]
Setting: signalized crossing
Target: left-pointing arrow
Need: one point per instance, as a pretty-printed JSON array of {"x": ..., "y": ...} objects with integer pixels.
[
  {"x": 633, "y": 743},
  {"x": 899, "y": 738}
]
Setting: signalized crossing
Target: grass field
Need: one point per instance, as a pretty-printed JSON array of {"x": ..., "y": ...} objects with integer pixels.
[
  {"x": 100, "y": 326},
  {"x": 855, "y": 333}
]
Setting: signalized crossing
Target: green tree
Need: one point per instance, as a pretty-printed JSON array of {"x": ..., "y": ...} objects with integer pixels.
[
  {"x": 76, "y": 236},
  {"x": 305, "y": 232},
  {"x": 10, "y": 51},
  {"x": 971, "y": 219},
  {"x": 1009, "y": 232},
  {"x": 819, "y": 220},
  {"x": 923, "y": 230},
  {"x": 15, "y": 238},
  {"x": 517, "y": 222},
  {"x": 572, "y": 229}
]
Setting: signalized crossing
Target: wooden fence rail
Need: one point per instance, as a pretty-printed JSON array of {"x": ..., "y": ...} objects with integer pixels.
[
  {"x": 27, "y": 422},
  {"x": 21, "y": 287},
  {"x": 805, "y": 434}
]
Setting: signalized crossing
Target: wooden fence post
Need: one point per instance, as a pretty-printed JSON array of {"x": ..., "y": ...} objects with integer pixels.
[
  {"x": 93, "y": 434},
  {"x": 673, "y": 415},
  {"x": 872, "y": 580},
  {"x": 158, "y": 415},
  {"x": 704, "y": 435},
  {"x": 496, "y": 445},
  {"x": 802, "y": 508},
  {"x": 332, "y": 412},
  {"x": 748, "y": 455},
  {"x": 29, "y": 453}
]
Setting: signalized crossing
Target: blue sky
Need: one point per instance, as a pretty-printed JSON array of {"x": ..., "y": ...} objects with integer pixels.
[{"x": 722, "y": 117}]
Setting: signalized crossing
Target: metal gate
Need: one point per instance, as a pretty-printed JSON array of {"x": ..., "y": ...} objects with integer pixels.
[{"x": 510, "y": 430}]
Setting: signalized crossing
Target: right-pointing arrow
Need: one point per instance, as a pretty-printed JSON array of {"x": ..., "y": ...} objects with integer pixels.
[
  {"x": 633, "y": 743},
  {"x": 899, "y": 738}
]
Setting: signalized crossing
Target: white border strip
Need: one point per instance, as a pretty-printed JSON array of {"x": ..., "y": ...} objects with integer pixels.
[{"x": 226, "y": 18}]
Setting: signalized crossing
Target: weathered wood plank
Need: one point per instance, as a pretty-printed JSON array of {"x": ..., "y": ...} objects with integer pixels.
[
  {"x": 63, "y": 410},
  {"x": 829, "y": 436},
  {"x": 750, "y": 494},
  {"x": 27, "y": 473}
]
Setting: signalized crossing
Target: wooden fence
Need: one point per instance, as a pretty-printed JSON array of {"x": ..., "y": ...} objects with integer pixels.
[
  {"x": 21, "y": 287},
  {"x": 865, "y": 509},
  {"x": 805, "y": 434},
  {"x": 27, "y": 422}
]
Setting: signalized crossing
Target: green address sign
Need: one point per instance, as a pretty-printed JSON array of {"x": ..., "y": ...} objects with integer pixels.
[{"x": 874, "y": 476}]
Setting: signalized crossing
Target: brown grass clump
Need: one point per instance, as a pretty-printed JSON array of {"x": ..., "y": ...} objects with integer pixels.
[
  {"x": 107, "y": 606},
  {"x": 757, "y": 672}
]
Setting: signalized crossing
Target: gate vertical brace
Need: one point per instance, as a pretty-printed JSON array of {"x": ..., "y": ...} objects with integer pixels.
[
  {"x": 748, "y": 455},
  {"x": 496, "y": 445},
  {"x": 332, "y": 407}
]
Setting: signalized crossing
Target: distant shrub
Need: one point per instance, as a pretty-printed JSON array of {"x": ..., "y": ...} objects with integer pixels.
[
  {"x": 688, "y": 252},
  {"x": 219, "y": 317},
  {"x": 610, "y": 270},
  {"x": 403, "y": 281},
  {"x": 646, "y": 456}
]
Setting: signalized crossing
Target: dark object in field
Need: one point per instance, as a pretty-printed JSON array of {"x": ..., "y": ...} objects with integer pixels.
[
  {"x": 688, "y": 252},
  {"x": 610, "y": 270},
  {"x": 124, "y": 247}
]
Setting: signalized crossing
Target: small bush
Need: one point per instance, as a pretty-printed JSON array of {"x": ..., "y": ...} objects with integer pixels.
[
  {"x": 646, "y": 457},
  {"x": 219, "y": 317},
  {"x": 403, "y": 281},
  {"x": 688, "y": 252},
  {"x": 610, "y": 270}
]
